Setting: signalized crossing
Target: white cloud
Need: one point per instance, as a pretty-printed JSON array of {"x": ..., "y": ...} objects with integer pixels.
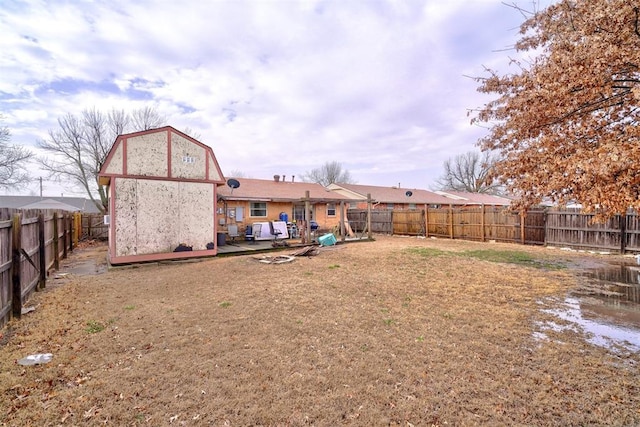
[{"x": 379, "y": 86}]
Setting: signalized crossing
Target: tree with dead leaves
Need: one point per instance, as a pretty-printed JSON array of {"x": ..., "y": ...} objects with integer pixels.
[
  {"x": 13, "y": 161},
  {"x": 80, "y": 145},
  {"x": 566, "y": 122},
  {"x": 470, "y": 172}
]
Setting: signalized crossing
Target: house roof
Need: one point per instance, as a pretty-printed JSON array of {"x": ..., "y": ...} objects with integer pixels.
[
  {"x": 476, "y": 198},
  {"x": 392, "y": 194},
  {"x": 278, "y": 191},
  {"x": 25, "y": 202},
  {"x": 51, "y": 204}
]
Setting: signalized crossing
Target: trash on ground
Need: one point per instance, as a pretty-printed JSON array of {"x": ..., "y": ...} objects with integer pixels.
[
  {"x": 26, "y": 310},
  {"x": 35, "y": 359},
  {"x": 280, "y": 259},
  {"x": 306, "y": 251}
]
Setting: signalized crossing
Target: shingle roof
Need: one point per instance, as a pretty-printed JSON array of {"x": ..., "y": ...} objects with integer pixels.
[
  {"x": 19, "y": 202},
  {"x": 396, "y": 194},
  {"x": 477, "y": 198},
  {"x": 270, "y": 190}
]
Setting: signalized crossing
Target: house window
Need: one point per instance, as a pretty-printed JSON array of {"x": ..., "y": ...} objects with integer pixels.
[
  {"x": 258, "y": 209},
  {"x": 390, "y": 206},
  {"x": 353, "y": 205},
  {"x": 412, "y": 206},
  {"x": 331, "y": 209}
]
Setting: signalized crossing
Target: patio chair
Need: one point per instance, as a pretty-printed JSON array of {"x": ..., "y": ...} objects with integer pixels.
[
  {"x": 232, "y": 231},
  {"x": 257, "y": 228},
  {"x": 274, "y": 231}
]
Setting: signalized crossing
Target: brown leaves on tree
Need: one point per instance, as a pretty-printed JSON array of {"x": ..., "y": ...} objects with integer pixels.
[{"x": 565, "y": 124}]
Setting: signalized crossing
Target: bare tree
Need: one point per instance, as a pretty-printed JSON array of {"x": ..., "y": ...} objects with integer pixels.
[
  {"x": 13, "y": 160},
  {"x": 469, "y": 172},
  {"x": 82, "y": 142},
  {"x": 147, "y": 118},
  {"x": 329, "y": 173}
]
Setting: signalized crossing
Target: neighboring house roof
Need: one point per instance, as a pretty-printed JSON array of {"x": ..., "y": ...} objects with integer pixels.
[
  {"x": 392, "y": 194},
  {"x": 21, "y": 202},
  {"x": 475, "y": 198},
  {"x": 278, "y": 191},
  {"x": 51, "y": 204}
]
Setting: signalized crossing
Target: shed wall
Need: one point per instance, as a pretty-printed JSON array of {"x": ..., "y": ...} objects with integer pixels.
[
  {"x": 147, "y": 155},
  {"x": 116, "y": 164},
  {"x": 188, "y": 160},
  {"x": 155, "y": 216}
]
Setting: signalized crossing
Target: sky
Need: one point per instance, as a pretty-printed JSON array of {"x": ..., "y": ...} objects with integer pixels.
[{"x": 274, "y": 87}]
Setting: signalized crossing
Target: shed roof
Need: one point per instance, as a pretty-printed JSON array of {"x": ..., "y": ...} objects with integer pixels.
[
  {"x": 123, "y": 160},
  {"x": 392, "y": 194},
  {"x": 278, "y": 191}
]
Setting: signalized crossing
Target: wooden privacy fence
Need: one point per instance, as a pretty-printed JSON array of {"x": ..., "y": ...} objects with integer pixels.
[
  {"x": 31, "y": 243},
  {"x": 477, "y": 223},
  {"x": 554, "y": 227}
]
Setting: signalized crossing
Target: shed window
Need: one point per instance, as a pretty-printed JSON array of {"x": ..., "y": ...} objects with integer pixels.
[
  {"x": 331, "y": 209},
  {"x": 258, "y": 209}
]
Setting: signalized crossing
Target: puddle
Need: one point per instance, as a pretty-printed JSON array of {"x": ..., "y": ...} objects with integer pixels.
[
  {"x": 600, "y": 330},
  {"x": 606, "y": 305}
]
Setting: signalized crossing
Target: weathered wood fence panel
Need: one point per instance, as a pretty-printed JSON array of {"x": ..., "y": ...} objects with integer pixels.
[
  {"x": 93, "y": 227},
  {"x": 575, "y": 229},
  {"x": 6, "y": 260},
  {"x": 31, "y": 243},
  {"x": 409, "y": 223},
  {"x": 381, "y": 221}
]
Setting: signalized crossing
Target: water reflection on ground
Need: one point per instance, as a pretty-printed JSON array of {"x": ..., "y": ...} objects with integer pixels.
[{"x": 606, "y": 306}]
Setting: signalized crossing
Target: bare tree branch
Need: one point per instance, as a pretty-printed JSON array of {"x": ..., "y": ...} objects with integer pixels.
[
  {"x": 329, "y": 173},
  {"x": 80, "y": 145}
]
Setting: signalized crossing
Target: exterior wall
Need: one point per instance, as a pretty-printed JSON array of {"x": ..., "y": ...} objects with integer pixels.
[
  {"x": 153, "y": 216},
  {"x": 147, "y": 155},
  {"x": 214, "y": 173},
  {"x": 116, "y": 164},
  {"x": 273, "y": 213},
  {"x": 188, "y": 160}
]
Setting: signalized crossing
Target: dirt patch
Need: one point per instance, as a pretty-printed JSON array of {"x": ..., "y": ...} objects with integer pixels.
[{"x": 400, "y": 331}]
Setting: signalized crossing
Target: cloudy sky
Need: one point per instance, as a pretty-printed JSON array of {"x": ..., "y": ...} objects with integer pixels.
[{"x": 274, "y": 87}]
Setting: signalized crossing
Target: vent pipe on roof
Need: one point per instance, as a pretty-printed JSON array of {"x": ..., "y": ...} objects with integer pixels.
[
  {"x": 276, "y": 178},
  {"x": 293, "y": 178},
  {"x": 284, "y": 178}
]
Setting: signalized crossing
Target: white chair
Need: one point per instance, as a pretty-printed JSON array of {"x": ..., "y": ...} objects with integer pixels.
[{"x": 232, "y": 231}]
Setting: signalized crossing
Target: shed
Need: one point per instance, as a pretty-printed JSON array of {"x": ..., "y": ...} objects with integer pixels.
[{"x": 162, "y": 187}]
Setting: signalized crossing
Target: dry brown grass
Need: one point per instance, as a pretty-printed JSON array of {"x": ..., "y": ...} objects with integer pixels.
[{"x": 370, "y": 333}]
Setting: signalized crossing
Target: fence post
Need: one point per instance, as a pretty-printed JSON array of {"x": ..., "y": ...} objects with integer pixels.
[
  {"x": 369, "y": 232},
  {"x": 16, "y": 244},
  {"x": 342, "y": 228},
  {"x": 623, "y": 233},
  {"x": 426, "y": 221},
  {"x": 42, "y": 252},
  {"x": 523, "y": 215},
  {"x": 482, "y": 213},
  {"x": 451, "y": 221},
  {"x": 56, "y": 242}
]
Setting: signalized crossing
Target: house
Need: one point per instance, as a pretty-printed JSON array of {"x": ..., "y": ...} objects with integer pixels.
[
  {"x": 163, "y": 191},
  {"x": 74, "y": 204},
  {"x": 462, "y": 197},
  {"x": 390, "y": 198},
  {"x": 264, "y": 200}
]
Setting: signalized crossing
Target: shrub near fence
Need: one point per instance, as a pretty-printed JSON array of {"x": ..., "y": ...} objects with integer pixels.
[{"x": 31, "y": 243}]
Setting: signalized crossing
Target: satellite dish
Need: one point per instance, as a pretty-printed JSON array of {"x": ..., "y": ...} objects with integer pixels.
[
  {"x": 233, "y": 183},
  {"x": 409, "y": 193}
]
